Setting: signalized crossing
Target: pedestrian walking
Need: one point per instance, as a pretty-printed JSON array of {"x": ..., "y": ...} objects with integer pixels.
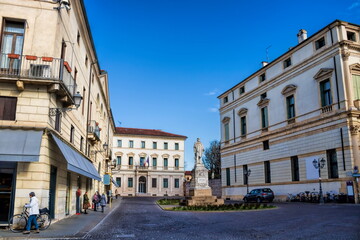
[
  {"x": 103, "y": 202},
  {"x": 86, "y": 202},
  {"x": 34, "y": 211},
  {"x": 116, "y": 193},
  {"x": 78, "y": 195},
  {"x": 95, "y": 200}
]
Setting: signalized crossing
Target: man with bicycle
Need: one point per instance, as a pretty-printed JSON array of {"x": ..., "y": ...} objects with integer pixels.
[{"x": 34, "y": 211}]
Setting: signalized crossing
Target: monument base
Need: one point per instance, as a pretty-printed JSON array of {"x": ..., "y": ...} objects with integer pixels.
[{"x": 202, "y": 197}]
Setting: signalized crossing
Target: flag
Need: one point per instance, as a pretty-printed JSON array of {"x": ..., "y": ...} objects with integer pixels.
[{"x": 147, "y": 162}]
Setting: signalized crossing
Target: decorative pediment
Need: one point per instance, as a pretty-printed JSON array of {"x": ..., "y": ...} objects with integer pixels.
[
  {"x": 242, "y": 111},
  {"x": 130, "y": 154},
  {"x": 323, "y": 73},
  {"x": 263, "y": 102},
  {"x": 355, "y": 68},
  {"x": 154, "y": 155},
  {"x": 176, "y": 156},
  {"x": 142, "y": 154},
  {"x": 291, "y": 88},
  {"x": 226, "y": 120},
  {"x": 118, "y": 154},
  {"x": 165, "y": 156}
]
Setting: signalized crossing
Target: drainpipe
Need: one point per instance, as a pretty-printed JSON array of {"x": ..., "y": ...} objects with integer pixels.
[{"x": 88, "y": 109}]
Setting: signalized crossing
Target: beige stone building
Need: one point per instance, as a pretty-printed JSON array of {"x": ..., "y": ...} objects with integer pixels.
[
  {"x": 302, "y": 106},
  {"x": 148, "y": 162},
  {"x": 49, "y": 143}
]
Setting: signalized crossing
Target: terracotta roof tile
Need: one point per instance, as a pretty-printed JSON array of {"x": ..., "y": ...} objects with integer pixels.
[{"x": 147, "y": 132}]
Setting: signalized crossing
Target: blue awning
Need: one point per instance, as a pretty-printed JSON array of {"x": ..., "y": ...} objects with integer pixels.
[
  {"x": 114, "y": 182},
  {"x": 20, "y": 145},
  {"x": 76, "y": 162}
]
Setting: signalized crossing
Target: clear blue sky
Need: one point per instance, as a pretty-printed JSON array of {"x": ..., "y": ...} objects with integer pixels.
[{"x": 169, "y": 60}]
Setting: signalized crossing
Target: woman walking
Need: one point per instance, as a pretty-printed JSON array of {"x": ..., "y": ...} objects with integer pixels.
[
  {"x": 95, "y": 200},
  {"x": 103, "y": 202},
  {"x": 86, "y": 202}
]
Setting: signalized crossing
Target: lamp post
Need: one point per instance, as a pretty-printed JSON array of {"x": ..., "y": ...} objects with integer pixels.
[
  {"x": 319, "y": 164},
  {"x": 247, "y": 173}
]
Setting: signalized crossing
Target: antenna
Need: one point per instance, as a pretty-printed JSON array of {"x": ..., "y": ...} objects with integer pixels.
[
  {"x": 267, "y": 53},
  {"x": 119, "y": 123}
]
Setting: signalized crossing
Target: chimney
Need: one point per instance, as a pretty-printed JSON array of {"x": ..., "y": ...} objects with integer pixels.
[
  {"x": 302, "y": 35},
  {"x": 264, "y": 63}
]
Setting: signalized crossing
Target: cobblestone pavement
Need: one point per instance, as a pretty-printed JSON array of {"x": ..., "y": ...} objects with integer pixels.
[{"x": 141, "y": 218}]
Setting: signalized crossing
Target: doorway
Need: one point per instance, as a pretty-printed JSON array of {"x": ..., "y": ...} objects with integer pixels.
[
  {"x": 142, "y": 184},
  {"x": 52, "y": 191},
  {"x": 7, "y": 190}
]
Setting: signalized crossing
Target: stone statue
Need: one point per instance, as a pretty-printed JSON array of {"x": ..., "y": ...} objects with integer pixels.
[{"x": 198, "y": 150}]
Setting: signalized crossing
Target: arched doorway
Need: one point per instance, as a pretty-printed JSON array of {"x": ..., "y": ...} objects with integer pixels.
[{"x": 142, "y": 184}]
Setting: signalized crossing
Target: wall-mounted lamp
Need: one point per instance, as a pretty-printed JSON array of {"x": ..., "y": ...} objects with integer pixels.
[
  {"x": 63, "y": 4},
  {"x": 77, "y": 102}
]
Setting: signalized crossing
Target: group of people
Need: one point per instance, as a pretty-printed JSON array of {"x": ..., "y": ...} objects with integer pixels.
[{"x": 97, "y": 201}]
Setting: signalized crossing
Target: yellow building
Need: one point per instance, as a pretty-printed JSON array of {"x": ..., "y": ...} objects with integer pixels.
[{"x": 51, "y": 143}]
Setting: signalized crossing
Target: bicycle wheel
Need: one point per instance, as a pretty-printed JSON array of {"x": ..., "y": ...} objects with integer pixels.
[
  {"x": 43, "y": 221},
  {"x": 17, "y": 223}
]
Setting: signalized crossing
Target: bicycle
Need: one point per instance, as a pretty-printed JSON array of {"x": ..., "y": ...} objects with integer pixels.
[{"x": 17, "y": 223}]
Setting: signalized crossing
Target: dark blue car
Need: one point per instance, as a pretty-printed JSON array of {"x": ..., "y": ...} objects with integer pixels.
[{"x": 259, "y": 195}]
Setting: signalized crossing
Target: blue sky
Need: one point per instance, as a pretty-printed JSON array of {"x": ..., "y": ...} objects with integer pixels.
[{"x": 169, "y": 60}]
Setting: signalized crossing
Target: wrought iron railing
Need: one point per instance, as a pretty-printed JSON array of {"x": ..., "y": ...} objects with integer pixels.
[
  {"x": 37, "y": 68},
  {"x": 93, "y": 127}
]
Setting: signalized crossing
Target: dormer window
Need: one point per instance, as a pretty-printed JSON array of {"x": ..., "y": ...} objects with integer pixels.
[
  {"x": 226, "y": 99},
  {"x": 320, "y": 43},
  {"x": 262, "y": 77},
  {"x": 242, "y": 90},
  {"x": 351, "y": 36},
  {"x": 287, "y": 63}
]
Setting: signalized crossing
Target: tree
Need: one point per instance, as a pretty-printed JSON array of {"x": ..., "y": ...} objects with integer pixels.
[{"x": 212, "y": 159}]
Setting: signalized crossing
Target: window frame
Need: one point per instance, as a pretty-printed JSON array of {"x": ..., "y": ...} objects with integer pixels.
[
  {"x": 119, "y": 141},
  {"x": 243, "y": 126},
  {"x": 9, "y": 108},
  {"x": 267, "y": 171},
  {"x": 228, "y": 177},
  {"x": 143, "y": 144},
  {"x": 166, "y": 145},
  {"x": 264, "y": 117},
  {"x": 287, "y": 63},
  {"x": 130, "y": 182},
  {"x": 317, "y": 42},
  {"x": 295, "y": 170},
  {"x": 177, "y": 146},
  {"x": 176, "y": 183},
  {"x": 333, "y": 166},
  {"x": 165, "y": 183},
  {"x": 131, "y": 143},
  {"x": 262, "y": 77},
  {"x": 323, "y": 93},
  {"x": 290, "y": 107}
]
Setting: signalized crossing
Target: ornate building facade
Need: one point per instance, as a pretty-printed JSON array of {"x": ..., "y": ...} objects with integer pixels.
[
  {"x": 55, "y": 120},
  {"x": 148, "y": 162},
  {"x": 302, "y": 106}
]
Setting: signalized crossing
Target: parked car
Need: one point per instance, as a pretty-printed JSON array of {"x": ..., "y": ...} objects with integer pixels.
[{"x": 259, "y": 195}]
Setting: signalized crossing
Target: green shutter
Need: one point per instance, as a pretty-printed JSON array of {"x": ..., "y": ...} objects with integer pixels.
[
  {"x": 226, "y": 131},
  {"x": 356, "y": 83}
]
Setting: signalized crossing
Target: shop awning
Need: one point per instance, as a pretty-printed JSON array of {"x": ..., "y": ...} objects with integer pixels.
[
  {"x": 76, "y": 162},
  {"x": 20, "y": 145},
  {"x": 114, "y": 182}
]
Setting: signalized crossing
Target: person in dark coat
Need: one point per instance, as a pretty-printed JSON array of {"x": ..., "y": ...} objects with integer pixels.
[
  {"x": 95, "y": 199},
  {"x": 86, "y": 202}
]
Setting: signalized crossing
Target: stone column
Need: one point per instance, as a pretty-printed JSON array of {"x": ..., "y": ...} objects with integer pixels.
[
  {"x": 348, "y": 79},
  {"x": 354, "y": 130}
]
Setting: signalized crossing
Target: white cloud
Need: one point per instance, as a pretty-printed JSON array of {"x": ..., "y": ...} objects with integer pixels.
[
  {"x": 213, "y": 109},
  {"x": 212, "y": 93},
  {"x": 354, "y": 5}
]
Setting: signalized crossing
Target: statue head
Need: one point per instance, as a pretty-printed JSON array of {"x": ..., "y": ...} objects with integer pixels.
[{"x": 198, "y": 139}]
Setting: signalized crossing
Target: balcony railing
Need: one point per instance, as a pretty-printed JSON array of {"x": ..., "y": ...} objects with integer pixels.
[
  {"x": 37, "y": 68},
  {"x": 93, "y": 130}
]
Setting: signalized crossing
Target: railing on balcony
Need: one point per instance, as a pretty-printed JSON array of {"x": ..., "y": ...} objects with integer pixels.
[
  {"x": 37, "y": 68},
  {"x": 326, "y": 109},
  {"x": 93, "y": 128},
  {"x": 142, "y": 168}
]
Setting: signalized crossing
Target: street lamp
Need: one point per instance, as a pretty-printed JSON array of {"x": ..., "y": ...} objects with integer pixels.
[
  {"x": 247, "y": 173},
  {"x": 77, "y": 98},
  {"x": 319, "y": 164}
]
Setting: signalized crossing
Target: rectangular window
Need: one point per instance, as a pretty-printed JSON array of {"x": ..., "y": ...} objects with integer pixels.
[
  {"x": 264, "y": 117},
  {"x": 226, "y": 128},
  {"x": 154, "y": 145},
  {"x": 176, "y": 163},
  {"x": 287, "y": 63},
  {"x": 142, "y": 161},
  {"x": 176, "y": 146},
  {"x": 320, "y": 43},
  {"x": 227, "y": 176},
  {"x": 154, "y": 162},
  {"x": 267, "y": 172},
  {"x": 8, "y": 108},
  {"x": 119, "y": 143},
  {"x": 263, "y": 96},
  {"x": 226, "y": 99},
  {"x": 118, "y": 160},
  {"x": 332, "y": 163},
  {"x": 165, "y": 183},
  {"x": 243, "y": 125},
  {"x": 72, "y": 132},
  {"x": 290, "y": 104},
  {"x": 262, "y": 77},
  {"x": 242, "y": 90},
  {"x": 165, "y": 163},
  {"x": 295, "y": 168},
  {"x": 58, "y": 121},
  {"x": 153, "y": 182},
  {"x": 245, "y": 169},
  {"x": 131, "y": 161},
  {"x": 356, "y": 84},
  {"x": 266, "y": 145},
  {"x": 142, "y": 144},
  {"x": 177, "y": 183},
  {"x": 81, "y": 143},
  {"x": 165, "y": 145},
  {"x": 131, "y": 143},
  {"x": 130, "y": 182},
  {"x": 325, "y": 92},
  {"x": 118, "y": 181},
  {"x": 351, "y": 36}
]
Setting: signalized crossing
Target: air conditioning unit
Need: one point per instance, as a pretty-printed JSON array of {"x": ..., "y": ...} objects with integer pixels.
[{"x": 40, "y": 71}]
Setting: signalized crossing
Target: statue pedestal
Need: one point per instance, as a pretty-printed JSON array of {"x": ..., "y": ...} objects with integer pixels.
[{"x": 200, "y": 193}]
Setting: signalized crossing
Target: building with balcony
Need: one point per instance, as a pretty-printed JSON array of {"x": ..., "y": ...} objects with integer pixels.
[
  {"x": 148, "y": 162},
  {"x": 56, "y": 124},
  {"x": 302, "y": 106}
]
